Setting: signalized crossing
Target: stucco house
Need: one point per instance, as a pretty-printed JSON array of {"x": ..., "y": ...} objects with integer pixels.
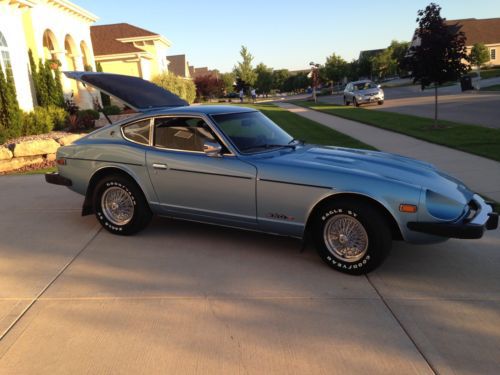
[
  {"x": 127, "y": 49},
  {"x": 486, "y": 31},
  {"x": 52, "y": 29},
  {"x": 179, "y": 65}
]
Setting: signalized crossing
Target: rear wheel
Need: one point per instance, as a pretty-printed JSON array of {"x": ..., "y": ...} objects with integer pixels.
[
  {"x": 346, "y": 102},
  {"x": 380, "y": 102},
  {"x": 351, "y": 236},
  {"x": 120, "y": 205}
]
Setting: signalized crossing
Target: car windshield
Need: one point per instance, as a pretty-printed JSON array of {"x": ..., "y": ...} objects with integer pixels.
[
  {"x": 364, "y": 86},
  {"x": 252, "y": 132}
]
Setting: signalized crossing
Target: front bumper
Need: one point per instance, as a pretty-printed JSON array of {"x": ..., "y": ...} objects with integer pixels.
[
  {"x": 370, "y": 99},
  {"x": 57, "y": 179},
  {"x": 484, "y": 219}
]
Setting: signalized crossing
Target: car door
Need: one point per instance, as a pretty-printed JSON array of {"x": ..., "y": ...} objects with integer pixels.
[{"x": 191, "y": 184}]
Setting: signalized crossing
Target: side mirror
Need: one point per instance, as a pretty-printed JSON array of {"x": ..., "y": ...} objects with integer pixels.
[{"x": 212, "y": 149}]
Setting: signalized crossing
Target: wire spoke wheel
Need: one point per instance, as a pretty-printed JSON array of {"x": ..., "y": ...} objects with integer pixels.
[
  {"x": 117, "y": 205},
  {"x": 345, "y": 238}
]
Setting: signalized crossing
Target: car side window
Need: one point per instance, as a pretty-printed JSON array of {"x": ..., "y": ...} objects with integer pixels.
[
  {"x": 138, "y": 131},
  {"x": 182, "y": 133}
]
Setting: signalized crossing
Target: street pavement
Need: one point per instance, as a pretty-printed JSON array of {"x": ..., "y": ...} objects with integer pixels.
[
  {"x": 190, "y": 298},
  {"x": 470, "y": 107}
]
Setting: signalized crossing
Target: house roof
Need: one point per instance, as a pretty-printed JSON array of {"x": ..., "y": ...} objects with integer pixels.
[
  {"x": 370, "y": 53},
  {"x": 178, "y": 65},
  {"x": 105, "y": 38},
  {"x": 485, "y": 31}
]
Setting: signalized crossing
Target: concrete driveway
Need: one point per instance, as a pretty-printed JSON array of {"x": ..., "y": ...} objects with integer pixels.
[{"x": 192, "y": 298}]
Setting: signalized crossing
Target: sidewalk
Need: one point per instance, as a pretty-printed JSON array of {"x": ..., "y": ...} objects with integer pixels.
[{"x": 480, "y": 174}]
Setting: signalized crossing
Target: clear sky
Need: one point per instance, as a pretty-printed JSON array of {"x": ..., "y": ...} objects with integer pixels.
[{"x": 282, "y": 34}]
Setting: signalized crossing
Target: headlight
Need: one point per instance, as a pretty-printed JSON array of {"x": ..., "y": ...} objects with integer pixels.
[{"x": 442, "y": 207}]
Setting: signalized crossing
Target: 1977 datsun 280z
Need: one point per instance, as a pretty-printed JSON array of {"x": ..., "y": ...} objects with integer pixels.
[{"x": 233, "y": 166}]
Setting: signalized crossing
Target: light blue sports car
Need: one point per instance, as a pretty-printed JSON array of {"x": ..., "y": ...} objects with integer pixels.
[{"x": 233, "y": 166}]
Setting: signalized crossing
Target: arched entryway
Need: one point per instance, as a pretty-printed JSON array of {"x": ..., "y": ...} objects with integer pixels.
[{"x": 50, "y": 45}]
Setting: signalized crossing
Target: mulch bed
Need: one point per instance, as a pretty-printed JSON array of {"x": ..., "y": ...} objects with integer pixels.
[{"x": 33, "y": 167}]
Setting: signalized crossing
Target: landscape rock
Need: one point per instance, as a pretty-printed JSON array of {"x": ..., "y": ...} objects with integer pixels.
[
  {"x": 5, "y": 153},
  {"x": 38, "y": 147},
  {"x": 67, "y": 140},
  {"x": 16, "y": 163}
]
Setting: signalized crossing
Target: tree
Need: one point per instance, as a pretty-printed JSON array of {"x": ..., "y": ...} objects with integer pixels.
[
  {"x": 479, "y": 55},
  {"x": 399, "y": 50},
  {"x": 279, "y": 78},
  {"x": 209, "y": 86},
  {"x": 229, "y": 81},
  {"x": 184, "y": 88},
  {"x": 335, "y": 68},
  {"x": 105, "y": 98},
  {"x": 10, "y": 114},
  {"x": 364, "y": 67},
  {"x": 437, "y": 54},
  {"x": 264, "y": 81},
  {"x": 244, "y": 70}
]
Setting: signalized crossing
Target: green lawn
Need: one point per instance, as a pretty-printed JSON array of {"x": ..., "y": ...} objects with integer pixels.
[
  {"x": 308, "y": 130},
  {"x": 491, "y": 88},
  {"x": 490, "y": 73},
  {"x": 469, "y": 138}
]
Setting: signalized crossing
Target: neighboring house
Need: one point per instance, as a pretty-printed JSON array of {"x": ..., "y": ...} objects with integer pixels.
[
  {"x": 370, "y": 53},
  {"x": 200, "y": 72},
  {"x": 55, "y": 30},
  {"x": 486, "y": 31},
  {"x": 126, "y": 49},
  {"x": 178, "y": 65}
]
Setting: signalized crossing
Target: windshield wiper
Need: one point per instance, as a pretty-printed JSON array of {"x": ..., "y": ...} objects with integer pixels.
[
  {"x": 299, "y": 141},
  {"x": 268, "y": 145}
]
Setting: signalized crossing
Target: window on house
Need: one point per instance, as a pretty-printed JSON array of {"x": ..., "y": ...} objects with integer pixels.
[
  {"x": 493, "y": 53},
  {"x": 4, "y": 54}
]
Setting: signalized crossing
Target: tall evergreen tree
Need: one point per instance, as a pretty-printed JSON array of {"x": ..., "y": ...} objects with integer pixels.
[
  {"x": 10, "y": 114},
  {"x": 244, "y": 69},
  {"x": 43, "y": 91}
]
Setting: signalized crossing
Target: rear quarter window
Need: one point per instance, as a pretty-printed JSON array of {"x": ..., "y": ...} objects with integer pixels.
[{"x": 138, "y": 132}]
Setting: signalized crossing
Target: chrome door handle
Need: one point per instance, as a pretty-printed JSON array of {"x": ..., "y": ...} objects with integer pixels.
[{"x": 159, "y": 166}]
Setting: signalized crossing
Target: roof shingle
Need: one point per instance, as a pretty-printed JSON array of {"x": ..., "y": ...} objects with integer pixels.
[
  {"x": 104, "y": 38},
  {"x": 485, "y": 31}
]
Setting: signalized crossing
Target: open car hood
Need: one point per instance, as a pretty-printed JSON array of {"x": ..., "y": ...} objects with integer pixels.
[{"x": 137, "y": 93}]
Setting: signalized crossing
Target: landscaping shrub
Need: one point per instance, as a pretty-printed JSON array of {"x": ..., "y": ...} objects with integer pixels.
[
  {"x": 37, "y": 122},
  {"x": 86, "y": 118},
  {"x": 111, "y": 110},
  {"x": 181, "y": 87},
  {"x": 59, "y": 117}
]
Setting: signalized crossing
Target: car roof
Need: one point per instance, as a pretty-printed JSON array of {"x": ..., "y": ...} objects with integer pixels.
[
  {"x": 361, "y": 81},
  {"x": 202, "y": 109}
]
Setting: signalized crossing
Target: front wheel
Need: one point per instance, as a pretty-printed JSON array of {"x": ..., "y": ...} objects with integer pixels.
[
  {"x": 346, "y": 102},
  {"x": 355, "y": 102},
  {"x": 120, "y": 205},
  {"x": 380, "y": 102},
  {"x": 351, "y": 236}
]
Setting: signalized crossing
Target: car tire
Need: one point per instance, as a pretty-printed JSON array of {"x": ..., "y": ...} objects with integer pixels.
[
  {"x": 345, "y": 101},
  {"x": 380, "y": 102},
  {"x": 355, "y": 102},
  {"x": 120, "y": 205},
  {"x": 360, "y": 248}
]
